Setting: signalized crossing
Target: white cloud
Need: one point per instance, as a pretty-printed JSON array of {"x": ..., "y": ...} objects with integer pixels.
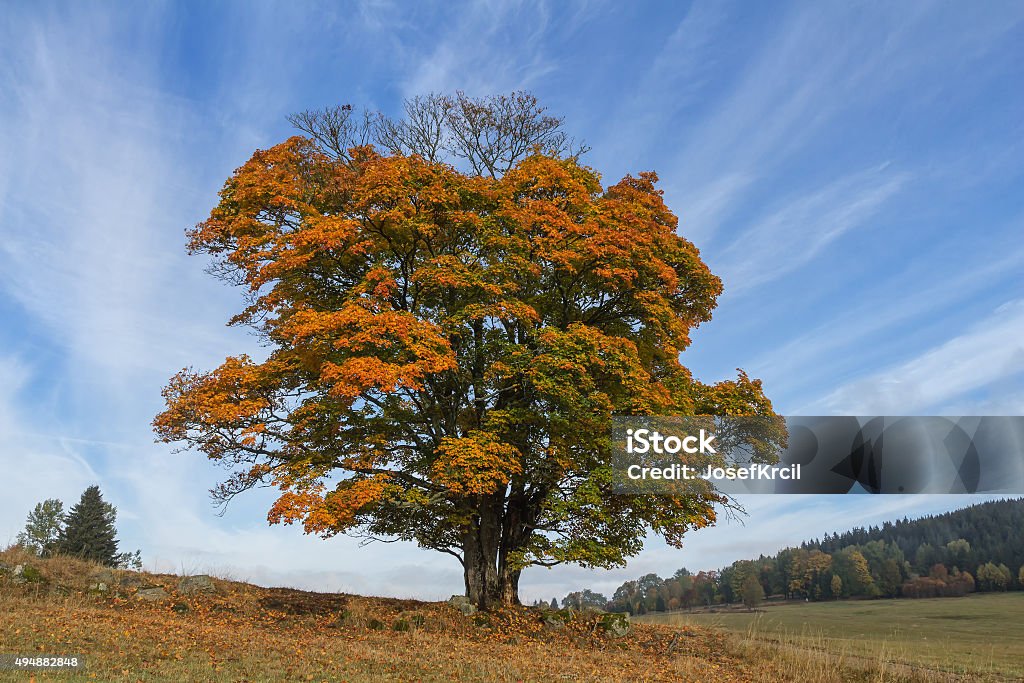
[
  {"x": 31, "y": 465},
  {"x": 797, "y": 83},
  {"x": 873, "y": 322},
  {"x": 814, "y": 64},
  {"x": 987, "y": 353},
  {"x": 797, "y": 232},
  {"x": 477, "y": 53},
  {"x": 96, "y": 203}
]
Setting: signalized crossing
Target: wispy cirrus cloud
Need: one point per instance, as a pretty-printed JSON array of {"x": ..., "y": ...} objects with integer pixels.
[
  {"x": 92, "y": 153},
  {"x": 30, "y": 461},
  {"x": 476, "y": 52},
  {"x": 983, "y": 356},
  {"x": 851, "y": 339},
  {"x": 102, "y": 172},
  {"x": 798, "y": 231},
  {"x": 817, "y": 72}
]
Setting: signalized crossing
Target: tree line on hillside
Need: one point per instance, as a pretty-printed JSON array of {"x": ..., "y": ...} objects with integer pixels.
[
  {"x": 87, "y": 531},
  {"x": 948, "y": 555},
  {"x": 992, "y": 530}
]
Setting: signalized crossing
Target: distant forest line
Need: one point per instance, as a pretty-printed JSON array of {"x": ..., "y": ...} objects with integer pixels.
[{"x": 978, "y": 548}]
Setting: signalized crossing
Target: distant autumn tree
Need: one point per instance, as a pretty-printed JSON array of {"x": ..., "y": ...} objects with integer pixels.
[
  {"x": 837, "y": 586},
  {"x": 806, "y": 571},
  {"x": 850, "y": 564},
  {"x": 454, "y": 309},
  {"x": 752, "y": 592}
]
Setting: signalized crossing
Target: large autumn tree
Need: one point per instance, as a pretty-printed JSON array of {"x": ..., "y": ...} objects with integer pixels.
[{"x": 454, "y": 309}]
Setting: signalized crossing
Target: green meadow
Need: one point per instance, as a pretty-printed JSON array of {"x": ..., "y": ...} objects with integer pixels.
[{"x": 980, "y": 636}]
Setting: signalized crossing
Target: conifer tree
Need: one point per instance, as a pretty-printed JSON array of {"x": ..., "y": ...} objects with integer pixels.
[{"x": 89, "y": 530}]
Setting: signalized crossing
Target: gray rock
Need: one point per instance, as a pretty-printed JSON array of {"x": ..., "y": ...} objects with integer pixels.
[
  {"x": 26, "y": 573},
  {"x": 553, "y": 624},
  {"x": 192, "y": 585},
  {"x": 105, "y": 575},
  {"x": 151, "y": 594},
  {"x": 463, "y": 604},
  {"x": 614, "y": 624},
  {"x": 99, "y": 587},
  {"x": 557, "y": 619},
  {"x": 131, "y": 580}
]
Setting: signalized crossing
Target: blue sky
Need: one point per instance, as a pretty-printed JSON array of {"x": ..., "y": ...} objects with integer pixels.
[{"x": 854, "y": 172}]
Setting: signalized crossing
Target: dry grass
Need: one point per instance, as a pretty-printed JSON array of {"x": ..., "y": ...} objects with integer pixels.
[{"x": 247, "y": 633}]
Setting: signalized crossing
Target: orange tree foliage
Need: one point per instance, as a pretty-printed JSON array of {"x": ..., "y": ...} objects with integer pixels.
[{"x": 446, "y": 352}]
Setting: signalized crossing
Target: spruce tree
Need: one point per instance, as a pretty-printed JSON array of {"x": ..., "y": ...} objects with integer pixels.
[{"x": 89, "y": 530}]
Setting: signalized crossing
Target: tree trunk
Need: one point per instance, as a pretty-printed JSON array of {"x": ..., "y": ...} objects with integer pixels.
[
  {"x": 510, "y": 586},
  {"x": 490, "y": 582}
]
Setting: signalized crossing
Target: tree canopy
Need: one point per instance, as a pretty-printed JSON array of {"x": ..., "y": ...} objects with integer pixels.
[
  {"x": 43, "y": 527},
  {"x": 447, "y": 347}
]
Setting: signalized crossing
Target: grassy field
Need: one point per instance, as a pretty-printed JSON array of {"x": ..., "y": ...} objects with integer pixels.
[
  {"x": 979, "y": 636},
  {"x": 241, "y": 632}
]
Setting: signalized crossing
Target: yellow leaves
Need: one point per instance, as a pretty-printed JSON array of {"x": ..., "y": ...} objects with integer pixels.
[
  {"x": 381, "y": 283},
  {"x": 475, "y": 464},
  {"x": 542, "y": 176},
  {"x": 356, "y": 328},
  {"x": 272, "y": 180},
  {"x": 338, "y": 510},
  {"x": 306, "y": 498},
  {"x": 292, "y": 506},
  {"x": 587, "y": 372},
  {"x": 742, "y": 396}
]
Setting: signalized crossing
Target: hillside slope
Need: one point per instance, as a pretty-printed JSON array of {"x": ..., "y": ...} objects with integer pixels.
[{"x": 143, "y": 627}]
